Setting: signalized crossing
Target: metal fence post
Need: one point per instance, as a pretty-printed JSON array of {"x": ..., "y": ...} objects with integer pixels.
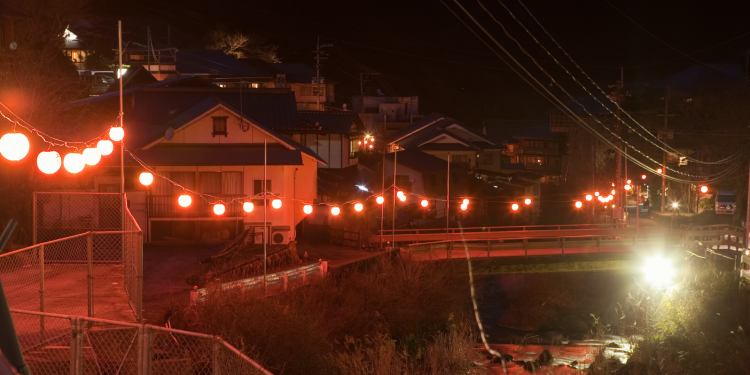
[
  {"x": 90, "y": 262},
  {"x": 139, "y": 276},
  {"x": 562, "y": 245},
  {"x": 75, "y": 346},
  {"x": 215, "y": 365},
  {"x": 41, "y": 291},
  {"x": 143, "y": 351}
]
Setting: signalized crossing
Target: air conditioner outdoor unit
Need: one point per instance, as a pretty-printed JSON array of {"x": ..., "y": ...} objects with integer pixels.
[{"x": 279, "y": 237}]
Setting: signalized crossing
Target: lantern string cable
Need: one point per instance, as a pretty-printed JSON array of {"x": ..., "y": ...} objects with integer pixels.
[
  {"x": 661, "y": 144},
  {"x": 212, "y": 199},
  {"x": 50, "y": 140}
]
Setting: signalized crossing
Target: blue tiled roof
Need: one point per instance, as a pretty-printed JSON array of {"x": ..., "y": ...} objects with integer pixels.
[{"x": 218, "y": 154}]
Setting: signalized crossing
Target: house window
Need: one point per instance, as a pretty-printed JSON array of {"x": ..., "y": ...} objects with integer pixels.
[
  {"x": 354, "y": 145},
  {"x": 255, "y": 85},
  {"x": 220, "y": 126},
  {"x": 258, "y": 190}
]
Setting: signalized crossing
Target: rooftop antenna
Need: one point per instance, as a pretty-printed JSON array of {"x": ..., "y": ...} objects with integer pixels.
[{"x": 319, "y": 54}]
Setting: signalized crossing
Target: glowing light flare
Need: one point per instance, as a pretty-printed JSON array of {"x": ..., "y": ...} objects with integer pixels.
[
  {"x": 379, "y": 199},
  {"x": 704, "y": 189},
  {"x": 659, "y": 170},
  {"x": 401, "y": 196},
  {"x": 248, "y": 207},
  {"x": 276, "y": 203},
  {"x": 613, "y": 192},
  {"x": 359, "y": 207},
  {"x": 146, "y": 178},
  {"x": 73, "y": 162},
  {"x": 49, "y": 162},
  {"x": 578, "y": 204},
  {"x": 596, "y": 193},
  {"x": 629, "y": 182},
  {"x": 219, "y": 209},
  {"x": 91, "y": 156},
  {"x": 307, "y": 209},
  {"x": 675, "y": 205},
  {"x": 105, "y": 147},
  {"x": 659, "y": 272},
  {"x": 335, "y": 210},
  {"x": 589, "y": 197},
  {"x": 643, "y": 177},
  {"x": 464, "y": 207},
  {"x": 627, "y": 187},
  {"x": 14, "y": 146},
  {"x": 527, "y": 201},
  {"x": 184, "y": 200},
  {"x": 514, "y": 207},
  {"x": 465, "y": 202},
  {"x": 116, "y": 133},
  {"x": 424, "y": 203}
]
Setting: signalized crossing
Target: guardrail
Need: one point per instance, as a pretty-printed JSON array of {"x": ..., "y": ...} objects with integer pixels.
[
  {"x": 272, "y": 283},
  {"x": 84, "y": 345},
  {"x": 523, "y": 245}
]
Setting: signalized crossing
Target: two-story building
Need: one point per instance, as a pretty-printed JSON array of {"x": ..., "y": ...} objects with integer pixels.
[{"x": 215, "y": 145}]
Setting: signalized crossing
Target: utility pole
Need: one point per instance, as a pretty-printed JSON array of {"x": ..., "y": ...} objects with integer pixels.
[
  {"x": 448, "y": 196},
  {"x": 618, "y": 161},
  {"x": 664, "y": 154}
]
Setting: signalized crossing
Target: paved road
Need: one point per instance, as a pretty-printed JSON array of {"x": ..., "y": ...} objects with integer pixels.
[{"x": 165, "y": 273}]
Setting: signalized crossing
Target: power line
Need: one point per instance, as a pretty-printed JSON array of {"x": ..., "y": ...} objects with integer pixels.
[
  {"x": 547, "y": 94},
  {"x": 666, "y": 148}
]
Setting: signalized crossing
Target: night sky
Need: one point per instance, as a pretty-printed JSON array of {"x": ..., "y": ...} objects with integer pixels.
[{"x": 419, "y": 48}]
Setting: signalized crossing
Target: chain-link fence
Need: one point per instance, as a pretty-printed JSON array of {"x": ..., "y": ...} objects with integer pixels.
[
  {"x": 61, "y": 214},
  {"x": 80, "y": 345},
  {"x": 94, "y": 273}
]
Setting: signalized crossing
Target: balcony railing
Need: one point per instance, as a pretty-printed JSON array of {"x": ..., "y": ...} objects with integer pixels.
[{"x": 165, "y": 206}]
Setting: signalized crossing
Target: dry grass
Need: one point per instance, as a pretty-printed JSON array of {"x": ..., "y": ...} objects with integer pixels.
[{"x": 392, "y": 317}]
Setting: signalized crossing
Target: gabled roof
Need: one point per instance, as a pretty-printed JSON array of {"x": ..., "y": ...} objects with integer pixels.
[
  {"x": 418, "y": 160},
  {"x": 153, "y": 109},
  {"x": 422, "y": 132},
  {"x": 214, "y": 63},
  {"x": 176, "y": 154}
]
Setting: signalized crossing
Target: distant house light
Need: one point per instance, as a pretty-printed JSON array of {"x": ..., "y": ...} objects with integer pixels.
[
  {"x": 69, "y": 35},
  {"x": 362, "y": 188},
  {"x": 255, "y": 85}
]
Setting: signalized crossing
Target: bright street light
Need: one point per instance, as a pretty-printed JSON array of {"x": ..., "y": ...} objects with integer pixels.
[
  {"x": 675, "y": 205},
  {"x": 659, "y": 272}
]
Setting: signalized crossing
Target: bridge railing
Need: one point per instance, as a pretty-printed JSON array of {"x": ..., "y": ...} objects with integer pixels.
[
  {"x": 521, "y": 246},
  {"x": 85, "y": 345},
  {"x": 387, "y": 232}
]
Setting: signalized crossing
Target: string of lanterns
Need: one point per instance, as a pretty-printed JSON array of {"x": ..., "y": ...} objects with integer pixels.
[{"x": 15, "y": 146}]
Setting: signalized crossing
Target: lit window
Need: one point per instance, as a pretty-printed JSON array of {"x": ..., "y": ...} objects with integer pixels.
[
  {"x": 255, "y": 85},
  {"x": 220, "y": 126}
]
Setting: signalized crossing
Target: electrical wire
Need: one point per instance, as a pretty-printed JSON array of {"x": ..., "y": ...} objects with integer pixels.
[
  {"x": 547, "y": 94},
  {"x": 570, "y": 96},
  {"x": 591, "y": 80}
]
